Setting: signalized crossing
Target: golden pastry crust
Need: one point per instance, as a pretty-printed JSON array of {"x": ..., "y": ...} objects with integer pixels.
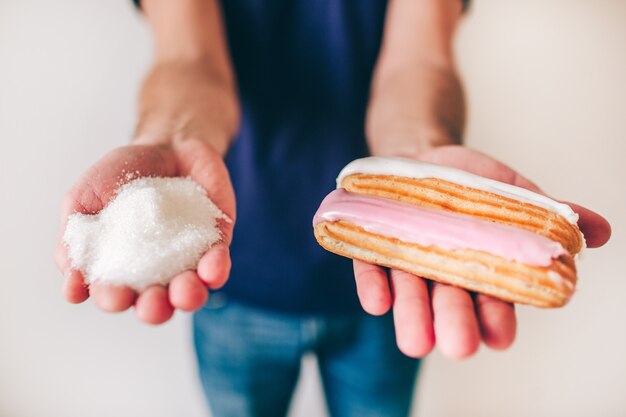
[
  {"x": 550, "y": 286},
  {"x": 445, "y": 195}
]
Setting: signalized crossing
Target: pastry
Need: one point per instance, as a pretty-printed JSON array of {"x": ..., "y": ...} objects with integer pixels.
[
  {"x": 436, "y": 186},
  {"x": 499, "y": 260},
  {"x": 454, "y": 227}
]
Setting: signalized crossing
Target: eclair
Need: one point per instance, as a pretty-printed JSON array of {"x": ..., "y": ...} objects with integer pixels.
[
  {"x": 435, "y": 186},
  {"x": 453, "y": 227}
]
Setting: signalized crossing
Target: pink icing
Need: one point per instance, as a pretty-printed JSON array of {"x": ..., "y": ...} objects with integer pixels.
[{"x": 429, "y": 227}]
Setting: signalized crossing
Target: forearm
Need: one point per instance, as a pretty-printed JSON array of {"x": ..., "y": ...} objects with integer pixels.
[
  {"x": 416, "y": 99},
  {"x": 190, "y": 91}
]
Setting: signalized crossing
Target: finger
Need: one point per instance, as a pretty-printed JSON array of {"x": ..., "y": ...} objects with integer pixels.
[
  {"x": 187, "y": 291},
  {"x": 112, "y": 298},
  {"x": 497, "y": 321},
  {"x": 412, "y": 315},
  {"x": 372, "y": 288},
  {"x": 214, "y": 266},
  {"x": 595, "y": 228},
  {"x": 61, "y": 259},
  {"x": 74, "y": 288},
  {"x": 207, "y": 168},
  {"x": 69, "y": 206},
  {"x": 153, "y": 306},
  {"x": 456, "y": 327}
]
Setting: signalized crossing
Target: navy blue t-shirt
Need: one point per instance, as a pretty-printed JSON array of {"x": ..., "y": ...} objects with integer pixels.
[{"x": 303, "y": 70}]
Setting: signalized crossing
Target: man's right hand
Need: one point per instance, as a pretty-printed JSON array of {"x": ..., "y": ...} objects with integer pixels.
[
  {"x": 188, "y": 115},
  {"x": 188, "y": 290}
]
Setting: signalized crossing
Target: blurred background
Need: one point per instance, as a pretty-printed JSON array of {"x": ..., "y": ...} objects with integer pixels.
[{"x": 546, "y": 82}]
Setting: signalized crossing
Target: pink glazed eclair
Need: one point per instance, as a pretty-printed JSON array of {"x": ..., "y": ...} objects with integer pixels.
[{"x": 495, "y": 258}]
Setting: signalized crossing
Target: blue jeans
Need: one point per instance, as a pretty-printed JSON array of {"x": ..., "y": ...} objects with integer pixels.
[{"x": 249, "y": 361}]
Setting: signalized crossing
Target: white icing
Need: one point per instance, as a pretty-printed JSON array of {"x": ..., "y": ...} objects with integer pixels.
[{"x": 411, "y": 168}]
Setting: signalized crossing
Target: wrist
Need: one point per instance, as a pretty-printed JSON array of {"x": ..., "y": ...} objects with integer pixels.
[
  {"x": 408, "y": 139},
  {"x": 411, "y": 111},
  {"x": 174, "y": 137},
  {"x": 182, "y": 100}
]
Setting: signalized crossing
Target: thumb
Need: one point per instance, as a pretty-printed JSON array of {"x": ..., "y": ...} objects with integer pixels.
[
  {"x": 204, "y": 165},
  {"x": 595, "y": 228}
]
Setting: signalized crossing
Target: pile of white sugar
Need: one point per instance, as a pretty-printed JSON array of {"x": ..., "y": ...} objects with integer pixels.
[{"x": 152, "y": 230}]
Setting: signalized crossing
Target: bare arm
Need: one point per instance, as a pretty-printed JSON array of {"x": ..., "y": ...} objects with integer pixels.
[
  {"x": 188, "y": 115},
  {"x": 190, "y": 91},
  {"x": 416, "y": 97}
]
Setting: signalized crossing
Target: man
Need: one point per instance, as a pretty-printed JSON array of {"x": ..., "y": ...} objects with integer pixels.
[{"x": 267, "y": 100}]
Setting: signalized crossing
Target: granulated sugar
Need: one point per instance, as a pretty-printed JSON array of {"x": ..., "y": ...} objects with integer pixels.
[{"x": 152, "y": 230}]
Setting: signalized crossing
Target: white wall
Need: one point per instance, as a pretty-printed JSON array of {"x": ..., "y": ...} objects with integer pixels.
[{"x": 546, "y": 82}]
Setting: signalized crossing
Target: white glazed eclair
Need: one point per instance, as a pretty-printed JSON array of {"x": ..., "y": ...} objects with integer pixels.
[{"x": 430, "y": 185}]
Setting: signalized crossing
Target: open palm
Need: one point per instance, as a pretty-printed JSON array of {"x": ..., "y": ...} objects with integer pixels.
[
  {"x": 426, "y": 312},
  {"x": 188, "y": 290}
]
